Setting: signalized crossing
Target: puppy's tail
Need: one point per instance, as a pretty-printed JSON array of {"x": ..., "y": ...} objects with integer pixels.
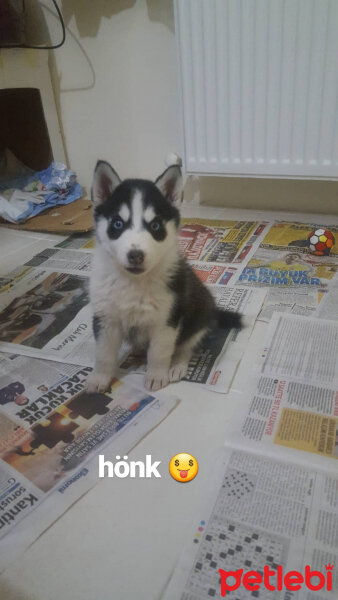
[{"x": 227, "y": 319}]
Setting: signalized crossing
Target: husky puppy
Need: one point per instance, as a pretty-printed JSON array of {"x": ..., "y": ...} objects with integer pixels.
[{"x": 141, "y": 289}]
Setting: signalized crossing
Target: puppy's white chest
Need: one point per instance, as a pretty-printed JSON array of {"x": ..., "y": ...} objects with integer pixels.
[{"x": 140, "y": 305}]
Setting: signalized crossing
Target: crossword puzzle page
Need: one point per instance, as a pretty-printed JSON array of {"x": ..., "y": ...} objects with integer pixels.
[{"x": 262, "y": 513}]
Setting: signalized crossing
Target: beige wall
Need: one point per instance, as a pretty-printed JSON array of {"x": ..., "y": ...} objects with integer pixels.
[
  {"x": 265, "y": 194},
  {"x": 115, "y": 85}
]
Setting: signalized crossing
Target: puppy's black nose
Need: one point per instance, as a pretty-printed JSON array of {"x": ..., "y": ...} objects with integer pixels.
[{"x": 135, "y": 257}]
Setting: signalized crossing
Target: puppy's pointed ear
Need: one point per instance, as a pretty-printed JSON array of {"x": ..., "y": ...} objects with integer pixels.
[
  {"x": 104, "y": 183},
  {"x": 170, "y": 183}
]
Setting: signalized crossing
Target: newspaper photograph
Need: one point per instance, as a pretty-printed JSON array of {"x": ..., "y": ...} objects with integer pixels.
[
  {"x": 214, "y": 363},
  {"x": 46, "y": 314},
  {"x": 265, "y": 517},
  {"x": 50, "y": 427},
  {"x": 211, "y": 240},
  {"x": 283, "y": 260},
  {"x": 285, "y": 234}
]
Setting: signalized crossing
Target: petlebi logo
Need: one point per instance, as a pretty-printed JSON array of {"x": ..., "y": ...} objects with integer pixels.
[
  {"x": 134, "y": 468},
  {"x": 276, "y": 580}
]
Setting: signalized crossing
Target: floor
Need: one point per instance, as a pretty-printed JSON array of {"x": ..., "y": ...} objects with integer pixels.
[{"x": 122, "y": 541}]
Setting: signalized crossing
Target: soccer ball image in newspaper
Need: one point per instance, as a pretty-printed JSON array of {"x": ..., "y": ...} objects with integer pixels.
[{"x": 320, "y": 242}]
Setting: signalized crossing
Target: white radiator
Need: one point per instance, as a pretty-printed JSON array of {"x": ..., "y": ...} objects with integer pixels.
[{"x": 259, "y": 81}]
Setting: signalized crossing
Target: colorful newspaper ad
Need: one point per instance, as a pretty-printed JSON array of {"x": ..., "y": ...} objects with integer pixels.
[
  {"x": 284, "y": 260},
  {"x": 210, "y": 273},
  {"x": 211, "y": 240},
  {"x": 268, "y": 530},
  {"x": 50, "y": 427}
]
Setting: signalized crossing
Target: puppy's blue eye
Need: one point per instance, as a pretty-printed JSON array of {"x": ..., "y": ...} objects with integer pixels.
[
  {"x": 155, "y": 226},
  {"x": 117, "y": 223}
]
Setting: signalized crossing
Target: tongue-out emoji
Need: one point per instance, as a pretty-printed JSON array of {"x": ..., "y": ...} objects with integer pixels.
[{"x": 183, "y": 467}]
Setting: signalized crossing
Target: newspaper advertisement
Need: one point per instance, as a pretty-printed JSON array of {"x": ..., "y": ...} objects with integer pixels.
[
  {"x": 215, "y": 362},
  {"x": 211, "y": 240},
  {"x": 211, "y": 273},
  {"x": 46, "y": 314},
  {"x": 50, "y": 426},
  {"x": 284, "y": 260},
  {"x": 292, "y": 402},
  {"x": 268, "y": 531}
]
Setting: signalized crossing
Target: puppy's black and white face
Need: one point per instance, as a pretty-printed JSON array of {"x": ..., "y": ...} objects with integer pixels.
[{"x": 136, "y": 219}]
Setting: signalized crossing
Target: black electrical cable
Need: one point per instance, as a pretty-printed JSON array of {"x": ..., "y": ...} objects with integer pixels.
[{"x": 44, "y": 47}]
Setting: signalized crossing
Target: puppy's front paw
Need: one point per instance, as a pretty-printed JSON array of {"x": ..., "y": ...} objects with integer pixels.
[
  {"x": 178, "y": 371},
  {"x": 98, "y": 382},
  {"x": 155, "y": 380}
]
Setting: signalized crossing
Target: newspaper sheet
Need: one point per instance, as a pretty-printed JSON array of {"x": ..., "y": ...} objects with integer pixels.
[
  {"x": 301, "y": 348},
  {"x": 283, "y": 260},
  {"x": 216, "y": 361},
  {"x": 44, "y": 309},
  {"x": 265, "y": 517},
  {"x": 210, "y": 273},
  {"x": 46, "y": 314},
  {"x": 211, "y": 240},
  {"x": 294, "y": 301},
  {"x": 8, "y": 280},
  {"x": 328, "y": 307},
  {"x": 292, "y": 401},
  {"x": 78, "y": 242},
  {"x": 279, "y": 411},
  {"x": 57, "y": 259},
  {"x": 50, "y": 427}
]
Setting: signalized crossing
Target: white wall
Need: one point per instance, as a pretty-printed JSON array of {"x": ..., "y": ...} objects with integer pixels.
[{"x": 115, "y": 83}]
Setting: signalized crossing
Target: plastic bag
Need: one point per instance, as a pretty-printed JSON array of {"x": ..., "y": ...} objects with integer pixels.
[{"x": 25, "y": 197}]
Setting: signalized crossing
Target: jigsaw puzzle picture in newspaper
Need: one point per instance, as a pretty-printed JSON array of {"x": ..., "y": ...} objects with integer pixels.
[{"x": 50, "y": 427}]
